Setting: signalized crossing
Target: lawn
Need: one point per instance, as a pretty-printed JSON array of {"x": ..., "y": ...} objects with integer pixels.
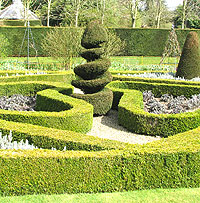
[
  {"x": 155, "y": 196},
  {"x": 117, "y": 63},
  {"x": 130, "y": 60}
]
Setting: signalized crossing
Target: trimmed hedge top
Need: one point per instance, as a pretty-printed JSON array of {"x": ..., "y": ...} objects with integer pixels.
[
  {"x": 94, "y": 35},
  {"x": 170, "y": 162}
]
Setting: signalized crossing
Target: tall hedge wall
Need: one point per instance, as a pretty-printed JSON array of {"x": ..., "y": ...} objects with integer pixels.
[
  {"x": 140, "y": 42},
  {"x": 148, "y": 42}
]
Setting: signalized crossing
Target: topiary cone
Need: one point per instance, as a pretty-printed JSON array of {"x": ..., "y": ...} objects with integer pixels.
[
  {"x": 94, "y": 75},
  {"x": 189, "y": 64}
]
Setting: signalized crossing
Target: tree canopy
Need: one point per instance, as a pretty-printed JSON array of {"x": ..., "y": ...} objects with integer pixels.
[{"x": 115, "y": 13}]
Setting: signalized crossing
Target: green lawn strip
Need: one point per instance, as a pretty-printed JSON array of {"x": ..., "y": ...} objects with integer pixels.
[
  {"x": 148, "y": 196},
  {"x": 131, "y": 60}
]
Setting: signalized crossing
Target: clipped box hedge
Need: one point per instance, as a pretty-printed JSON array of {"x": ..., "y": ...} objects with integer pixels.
[
  {"x": 73, "y": 114},
  {"x": 118, "y": 76},
  {"x": 19, "y": 23},
  {"x": 55, "y": 76},
  {"x": 169, "y": 163},
  {"x": 93, "y": 164},
  {"x": 131, "y": 112}
]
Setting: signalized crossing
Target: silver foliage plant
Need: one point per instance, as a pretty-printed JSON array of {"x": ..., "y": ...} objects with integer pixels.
[
  {"x": 167, "y": 104},
  {"x": 6, "y": 142},
  {"x": 167, "y": 76},
  {"x": 26, "y": 73}
]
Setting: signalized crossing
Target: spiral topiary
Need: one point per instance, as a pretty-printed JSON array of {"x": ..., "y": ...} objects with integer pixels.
[
  {"x": 189, "y": 64},
  {"x": 93, "y": 76}
]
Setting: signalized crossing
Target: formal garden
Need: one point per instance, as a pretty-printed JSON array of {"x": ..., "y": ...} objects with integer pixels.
[
  {"x": 45, "y": 145},
  {"x": 96, "y": 114}
]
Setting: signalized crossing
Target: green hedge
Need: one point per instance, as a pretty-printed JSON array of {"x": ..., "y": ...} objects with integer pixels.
[
  {"x": 47, "y": 138},
  {"x": 19, "y": 22},
  {"x": 92, "y": 164},
  {"x": 132, "y": 116},
  {"x": 101, "y": 101},
  {"x": 169, "y": 163},
  {"x": 74, "y": 114},
  {"x": 117, "y": 76},
  {"x": 158, "y": 89},
  {"x": 140, "y": 42},
  {"x": 55, "y": 76},
  {"x": 148, "y": 42}
]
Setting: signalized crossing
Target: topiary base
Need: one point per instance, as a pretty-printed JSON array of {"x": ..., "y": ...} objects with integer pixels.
[{"x": 101, "y": 101}]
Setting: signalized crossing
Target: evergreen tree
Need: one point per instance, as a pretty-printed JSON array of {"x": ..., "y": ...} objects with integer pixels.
[
  {"x": 94, "y": 75},
  {"x": 189, "y": 64}
]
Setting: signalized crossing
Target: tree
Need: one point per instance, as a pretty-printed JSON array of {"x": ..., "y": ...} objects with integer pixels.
[
  {"x": 132, "y": 6},
  {"x": 158, "y": 12},
  {"x": 62, "y": 44},
  {"x": 172, "y": 48},
  {"x": 114, "y": 45},
  {"x": 189, "y": 64},
  {"x": 155, "y": 12},
  {"x": 74, "y": 9},
  {"x": 188, "y": 14},
  {"x": 48, "y": 11},
  {"x": 93, "y": 76}
]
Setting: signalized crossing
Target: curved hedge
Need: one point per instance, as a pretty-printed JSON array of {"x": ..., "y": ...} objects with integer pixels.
[
  {"x": 92, "y": 164},
  {"x": 169, "y": 163},
  {"x": 73, "y": 114},
  {"x": 132, "y": 116}
]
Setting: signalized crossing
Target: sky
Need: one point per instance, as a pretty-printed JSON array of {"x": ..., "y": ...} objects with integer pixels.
[{"x": 172, "y": 4}]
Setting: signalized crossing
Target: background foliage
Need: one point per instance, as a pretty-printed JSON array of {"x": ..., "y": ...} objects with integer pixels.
[{"x": 138, "y": 42}]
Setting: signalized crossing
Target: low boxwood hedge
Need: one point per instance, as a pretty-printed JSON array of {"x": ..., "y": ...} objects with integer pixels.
[
  {"x": 74, "y": 114},
  {"x": 169, "y": 163},
  {"x": 46, "y": 138},
  {"x": 132, "y": 116},
  {"x": 118, "y": 76},
  {"x": 98, "y": 165},
  {"x": 54, "y": 76},
  {"x": 19, "y": 23}
]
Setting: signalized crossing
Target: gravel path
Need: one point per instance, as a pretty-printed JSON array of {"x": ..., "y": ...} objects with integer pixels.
[{"x": 107, "y": 127}]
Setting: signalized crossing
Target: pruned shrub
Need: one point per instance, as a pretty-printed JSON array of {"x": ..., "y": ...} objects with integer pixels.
[
  {"x": 189, "y": 64},
  {"x": 94, "y": 75}
]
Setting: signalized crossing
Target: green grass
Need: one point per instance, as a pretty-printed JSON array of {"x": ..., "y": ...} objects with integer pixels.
[
  {"x": 118, "y": 63},
  {"x": 145, "y": 196},
  {"x": 130, "y": 60}
]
